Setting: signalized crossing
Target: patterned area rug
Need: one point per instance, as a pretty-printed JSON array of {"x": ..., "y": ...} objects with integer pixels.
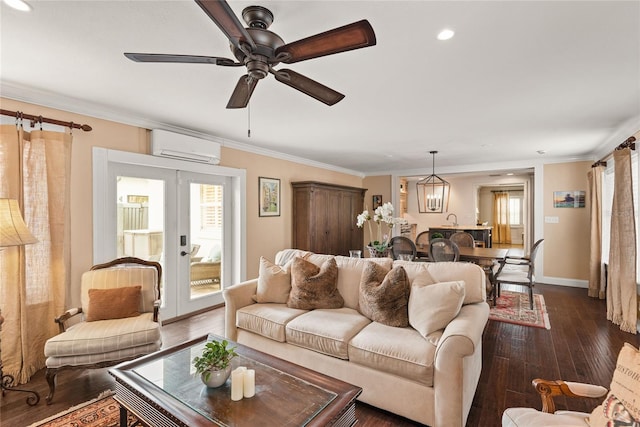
[
  {"x": 513, "y": 307},
  {"x": 101, "y": 412}
]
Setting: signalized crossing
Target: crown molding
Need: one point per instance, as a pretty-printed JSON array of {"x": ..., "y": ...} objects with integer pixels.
[{"x": 78, "y": 106}]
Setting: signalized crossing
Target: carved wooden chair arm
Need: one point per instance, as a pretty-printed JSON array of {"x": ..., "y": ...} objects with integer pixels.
[
  {"x": 62, "y": 319},
  {"x": 548, "y": 389}
]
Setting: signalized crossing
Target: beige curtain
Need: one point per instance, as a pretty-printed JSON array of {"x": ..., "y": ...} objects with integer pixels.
[
  {"x": 35, "y": 170},
  {"x": 621, "y": 288},
  {"x": 501, "y": 227},
  {"x": 596, "y": 276}
]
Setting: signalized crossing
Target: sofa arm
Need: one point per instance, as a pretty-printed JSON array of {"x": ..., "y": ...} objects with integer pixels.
[
  {"x": 455, "y": 378},
  {"x": 236, "y": 297}
]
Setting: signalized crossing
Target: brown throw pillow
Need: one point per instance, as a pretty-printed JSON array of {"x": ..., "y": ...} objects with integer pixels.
[
  {"x": 114, "y": 303},
  {"x": 384, "y": 295},
  {"x": 621, "y": 406},
  {"x": 313, "y": 286}
]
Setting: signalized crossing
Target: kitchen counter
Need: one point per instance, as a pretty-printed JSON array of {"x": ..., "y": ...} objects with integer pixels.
[{"x": 480, "y": 233}]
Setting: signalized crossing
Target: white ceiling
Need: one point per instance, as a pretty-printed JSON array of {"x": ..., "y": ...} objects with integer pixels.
[{"x": 518, "y": 77}]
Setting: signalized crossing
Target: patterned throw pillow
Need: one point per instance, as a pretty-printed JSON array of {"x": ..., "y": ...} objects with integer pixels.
[
  {"x": 114, "y": 303},
  {"x": 384, "y": 295},
  {"x": 622, "y": 405},
  {"x": 313, "y": 286}
]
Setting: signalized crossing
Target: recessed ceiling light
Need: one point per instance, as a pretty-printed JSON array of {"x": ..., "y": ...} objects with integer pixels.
[
  {"x": 20, "y": 5},
  {"x": 510, "y": 174},
  {"x": 446, "y": 34}
]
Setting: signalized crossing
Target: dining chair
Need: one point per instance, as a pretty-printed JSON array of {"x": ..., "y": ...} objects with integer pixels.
[
  {"x": 517, "y": 270},
  {"x": 422, "y": 244},
  {"x": 462, "y": 238},
  {"x": 401, "y": 245},
  {"x": 443, "y": 250}
]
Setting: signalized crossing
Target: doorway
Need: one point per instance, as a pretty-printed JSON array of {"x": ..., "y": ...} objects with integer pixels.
[{"x": 188, "y": 217}]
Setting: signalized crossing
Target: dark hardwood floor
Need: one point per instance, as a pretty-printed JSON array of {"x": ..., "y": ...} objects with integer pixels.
[{"x": 581, "y": 346}]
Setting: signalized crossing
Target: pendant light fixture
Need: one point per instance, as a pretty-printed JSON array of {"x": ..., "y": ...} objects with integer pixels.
[{"x": 433, "y": 191}]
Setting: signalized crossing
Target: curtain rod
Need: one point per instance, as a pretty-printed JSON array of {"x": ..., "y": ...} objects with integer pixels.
[
  {"x": 40, "y": 119},
  {"x": 629, "y": 143}
]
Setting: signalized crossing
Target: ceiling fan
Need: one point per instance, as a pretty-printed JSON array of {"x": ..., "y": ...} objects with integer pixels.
[{"x": 259, "y": 50}]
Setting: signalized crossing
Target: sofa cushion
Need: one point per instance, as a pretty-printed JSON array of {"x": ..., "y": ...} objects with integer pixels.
[
  {"x": 313, "y": 286},
  {"x": 102, "y": 336},
  {"x": 384, "y": 295},
  {"x": 268, "y": 320},
  {"x": 472, "y": 275},
  {"x": 399, "y": 351},
  {"x": 274, "y": 282},
  {"x": 114, "y": 303},
  {"x": 530, "y": 417},
  {"x": 326, "y": 331},
  {"x": 432, "y": 307}
]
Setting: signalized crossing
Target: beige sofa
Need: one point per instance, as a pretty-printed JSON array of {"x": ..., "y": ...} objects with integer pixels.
[{"x": 429, "y": 379}]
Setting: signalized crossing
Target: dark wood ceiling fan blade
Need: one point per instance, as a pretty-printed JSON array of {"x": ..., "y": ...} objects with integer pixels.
[
  {"x": 308, "y": 86},
  {"x": 220, "y": 12},
  {"x": 353, "y": 36},
  {"x": 242, "y": 93},
  {"x": 188, "y": 59}
]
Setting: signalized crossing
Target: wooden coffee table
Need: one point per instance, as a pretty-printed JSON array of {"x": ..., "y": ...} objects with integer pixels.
[{"x": 161, "y": 389}]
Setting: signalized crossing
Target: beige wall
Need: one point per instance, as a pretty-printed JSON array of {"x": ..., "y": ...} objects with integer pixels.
[
  {"x": 566, "y": 243},
  {"x": 265, "y": 235},
  {"x": 375, "y": 185}
]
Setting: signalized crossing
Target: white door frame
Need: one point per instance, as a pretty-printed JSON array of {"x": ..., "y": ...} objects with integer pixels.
[{"x": 104, "y": 224}]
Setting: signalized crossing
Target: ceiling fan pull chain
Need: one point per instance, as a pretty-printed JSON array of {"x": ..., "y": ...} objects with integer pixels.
[{"x": 249, "y": 120}]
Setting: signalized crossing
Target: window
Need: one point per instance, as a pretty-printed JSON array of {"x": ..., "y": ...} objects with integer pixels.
[{"x": 515, "y": 209}]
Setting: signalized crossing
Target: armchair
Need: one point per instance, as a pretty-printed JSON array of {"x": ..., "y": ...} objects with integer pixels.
[
  {"x": 619, "y": 407},
  {"x": 117, "y": 320}
]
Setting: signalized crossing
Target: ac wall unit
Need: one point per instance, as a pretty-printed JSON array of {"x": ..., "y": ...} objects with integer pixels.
[{"x": 184, "y": 147}]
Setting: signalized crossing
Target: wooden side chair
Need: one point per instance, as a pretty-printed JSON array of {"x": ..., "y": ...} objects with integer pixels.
[
  {"x": 462, "y": 238},
  {"x": 118, "y": 319},
  {"x": 443, "y": 250},
  {"x": 519, "y": 271},
  {"x": 422, "y": 244},
  {"x": 401, "y": 245}
]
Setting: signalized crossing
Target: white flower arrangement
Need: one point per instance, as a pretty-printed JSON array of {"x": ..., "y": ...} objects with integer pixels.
[{"x": 383, "y": 216}]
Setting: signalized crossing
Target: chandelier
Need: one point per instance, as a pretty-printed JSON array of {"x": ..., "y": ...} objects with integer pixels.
[{"x": 433, "y": 191}]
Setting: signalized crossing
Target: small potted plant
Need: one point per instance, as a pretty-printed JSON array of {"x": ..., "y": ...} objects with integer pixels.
[{"x": 214, "y": 365}]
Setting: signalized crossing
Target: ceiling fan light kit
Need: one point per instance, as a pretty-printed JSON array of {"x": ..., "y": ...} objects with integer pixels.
[{"x": 260, "y": 50}]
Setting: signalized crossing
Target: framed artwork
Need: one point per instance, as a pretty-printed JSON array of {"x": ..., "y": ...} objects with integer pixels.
[
  {"x": 377, "y": 201},
  {"x": 569, "y": 199},
  {"x": 268, "y": 196}
]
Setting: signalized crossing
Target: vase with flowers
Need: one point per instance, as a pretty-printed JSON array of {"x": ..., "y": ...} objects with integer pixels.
[{"x": 383, "y": 217}]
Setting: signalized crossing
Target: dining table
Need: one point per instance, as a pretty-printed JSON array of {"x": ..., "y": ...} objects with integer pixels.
[{"x": 485, "y": 258}]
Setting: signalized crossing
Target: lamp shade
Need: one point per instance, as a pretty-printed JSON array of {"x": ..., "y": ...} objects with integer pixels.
[{"x": 13, "y": 230}]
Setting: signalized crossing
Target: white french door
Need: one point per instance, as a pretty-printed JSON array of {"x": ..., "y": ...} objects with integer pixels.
[{"x": 188, "y": 217}]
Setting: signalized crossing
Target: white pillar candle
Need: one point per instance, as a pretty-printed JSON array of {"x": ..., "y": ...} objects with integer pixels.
[
  {"x": 237, "y": 378},
  {"x": 249, "y": 385}
]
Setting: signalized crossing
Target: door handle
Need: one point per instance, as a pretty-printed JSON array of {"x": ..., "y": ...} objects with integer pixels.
[{"x": 183, "y": 253}]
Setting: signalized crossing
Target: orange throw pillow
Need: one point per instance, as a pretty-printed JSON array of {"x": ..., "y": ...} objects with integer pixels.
[{"x": 115, "y": 303}]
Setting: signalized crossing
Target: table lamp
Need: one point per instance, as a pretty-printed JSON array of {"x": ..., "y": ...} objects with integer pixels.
[{"x": 13, "y": 232}]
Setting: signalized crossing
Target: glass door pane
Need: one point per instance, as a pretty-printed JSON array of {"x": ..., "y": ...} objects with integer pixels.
[
  {"x": 140, "y": 219},
  {"x": 206, "y": 232}
]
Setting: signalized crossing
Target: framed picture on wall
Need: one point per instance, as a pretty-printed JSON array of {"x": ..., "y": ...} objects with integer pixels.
[
  {"x": 569, "y": 199},
  {"x": 377, "y": 201},
  {"x": 268, "y": 196}
]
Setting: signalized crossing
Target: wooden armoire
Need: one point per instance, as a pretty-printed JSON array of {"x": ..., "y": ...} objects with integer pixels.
[{"x": 324, "y": 217}]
